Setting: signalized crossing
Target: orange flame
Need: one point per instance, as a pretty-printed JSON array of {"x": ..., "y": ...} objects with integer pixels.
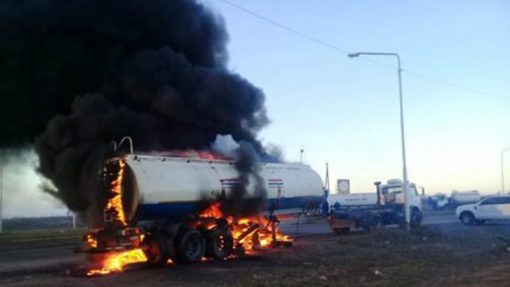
[
  {"x": 115, "y": 202},
  {"x": 242, "y": 229},
  {"x": 116, "y": 262},
  {"x": 91, "y": 241},
  {"x": 213, "y": 211}
]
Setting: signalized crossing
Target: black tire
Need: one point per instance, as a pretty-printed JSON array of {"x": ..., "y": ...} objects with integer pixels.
[
  {"x": 373, "y": 222},
  {"x": 467, "y": 218},
  {"x": 416, "y": 219},
  {"x": 219, "y": 244},
  {"x": 189, "y": 246},
  {"x": 156, "y": 248}
]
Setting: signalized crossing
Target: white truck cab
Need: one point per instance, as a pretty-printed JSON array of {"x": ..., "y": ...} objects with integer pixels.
[
  {"x": 392, "y": 193},
  {"x": 490, "y": 208},
  {"x": 371, "y": 210}
]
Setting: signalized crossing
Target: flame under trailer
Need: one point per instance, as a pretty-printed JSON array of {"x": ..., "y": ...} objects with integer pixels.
[
  {"x": 154, "y": 204},
  {"x": 374, "y": 210}
]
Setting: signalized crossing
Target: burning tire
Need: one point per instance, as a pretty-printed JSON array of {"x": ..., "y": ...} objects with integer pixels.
[
  {"x": 220, "y": 244},
  {"x": 189, "y": 246},
  {"x": 156, "y": 248}
]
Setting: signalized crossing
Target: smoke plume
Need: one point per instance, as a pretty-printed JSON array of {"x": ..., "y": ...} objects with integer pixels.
[
  {"x": 79, "y": 74},
  {"x": 239, "y": 201}
]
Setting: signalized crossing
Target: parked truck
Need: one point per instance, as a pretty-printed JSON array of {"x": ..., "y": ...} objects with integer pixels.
[{"x": 374, "y": 210}]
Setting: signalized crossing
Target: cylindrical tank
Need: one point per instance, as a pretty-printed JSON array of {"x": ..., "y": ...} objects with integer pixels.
[
  {"x": 170, "y": 188},
  {"x": 352, "y": 199},
  {"x": 465, "y": 197}
]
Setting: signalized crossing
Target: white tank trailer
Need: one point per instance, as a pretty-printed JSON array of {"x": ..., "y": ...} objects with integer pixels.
[
  {"x": 464, "y": 197},
  {"x": 161, "y": 187},
  {"x": 162, "y": 196},
  {"x": 352, "y": 199}
]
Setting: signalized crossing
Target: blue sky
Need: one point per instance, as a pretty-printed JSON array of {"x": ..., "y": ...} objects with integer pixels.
[{"x": 345, "y": 111}]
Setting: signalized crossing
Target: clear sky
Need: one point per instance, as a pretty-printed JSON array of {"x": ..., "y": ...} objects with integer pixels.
[{"x": 345, "y": 111}]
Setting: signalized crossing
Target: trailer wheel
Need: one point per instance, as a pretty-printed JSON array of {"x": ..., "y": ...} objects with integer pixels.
[
  {"x": 189, "y": 246},
  {"x": 219, "y": 244},
  {"x": 375, "y": 222},
  {"x": 157, "y": 248}
]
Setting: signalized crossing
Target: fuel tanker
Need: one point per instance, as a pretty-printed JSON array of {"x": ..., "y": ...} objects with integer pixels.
[
  {"x": 155, "y": 209},
  {"x": 171, "y": 188}
]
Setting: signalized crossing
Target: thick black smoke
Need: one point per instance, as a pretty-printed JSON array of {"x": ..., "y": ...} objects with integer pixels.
[
  {"x": 239, "y": 202},
  {"x": 77, "y": 74}
]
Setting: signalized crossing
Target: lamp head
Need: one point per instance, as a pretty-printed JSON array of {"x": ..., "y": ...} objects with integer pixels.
[{"x": 353, "y": 55}]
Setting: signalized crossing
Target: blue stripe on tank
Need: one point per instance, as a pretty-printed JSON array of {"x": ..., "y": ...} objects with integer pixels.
[{"x": 175, "y": 211}]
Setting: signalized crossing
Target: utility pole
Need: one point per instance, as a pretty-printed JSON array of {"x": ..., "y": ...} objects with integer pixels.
[
  {"x": 503, "y": 170},
  {"x": 301, "y": 156},
  {"x": 405, "y": 183}
]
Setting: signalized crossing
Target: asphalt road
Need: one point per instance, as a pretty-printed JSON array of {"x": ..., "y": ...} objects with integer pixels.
[
  {"x": 314, "y": 226},
  {"x": 39, "y": 255},
  {"x": 51, "y": 254},
  {"x": 446, "y": 253}
]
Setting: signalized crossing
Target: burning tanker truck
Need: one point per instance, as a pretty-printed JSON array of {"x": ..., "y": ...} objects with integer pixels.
[{"x": 167, "y": 208}]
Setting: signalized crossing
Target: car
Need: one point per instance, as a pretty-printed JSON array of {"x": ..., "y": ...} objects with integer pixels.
[{"x": 490, "y": 208}]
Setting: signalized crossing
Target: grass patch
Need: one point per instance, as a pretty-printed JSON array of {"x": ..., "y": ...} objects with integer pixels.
[{"x": 40, "y": 235}]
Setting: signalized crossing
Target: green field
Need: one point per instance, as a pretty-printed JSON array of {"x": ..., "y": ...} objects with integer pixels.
[{"x": 40, "y": 235}]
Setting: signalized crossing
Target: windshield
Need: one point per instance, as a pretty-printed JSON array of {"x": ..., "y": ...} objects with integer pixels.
[{"x": 397, "y": 189}]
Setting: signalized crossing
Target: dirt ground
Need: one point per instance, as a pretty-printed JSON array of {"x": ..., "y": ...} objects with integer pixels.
[{"x": 437, "y": 255}]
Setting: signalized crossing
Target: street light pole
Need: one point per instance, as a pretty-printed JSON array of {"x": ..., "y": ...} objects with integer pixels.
[
  {"x": 502, "y": 169},
  {"x": 407, "y": 211}
]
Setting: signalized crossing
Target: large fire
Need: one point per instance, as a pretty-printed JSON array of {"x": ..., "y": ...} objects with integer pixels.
[
  {"x": 114, "y": 216},
  {"x": 250, "y": 232},
  {"x": 114, "y": 206},
  {"x": 117, "y": 262}
]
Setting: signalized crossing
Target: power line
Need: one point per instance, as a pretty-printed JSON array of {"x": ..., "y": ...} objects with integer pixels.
[
  {"x": 286, "y": 28},
  {"x": 346, "y": 52},
  {"x": 301, "y": 34},
  {"x": 453, "y": 85}
]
